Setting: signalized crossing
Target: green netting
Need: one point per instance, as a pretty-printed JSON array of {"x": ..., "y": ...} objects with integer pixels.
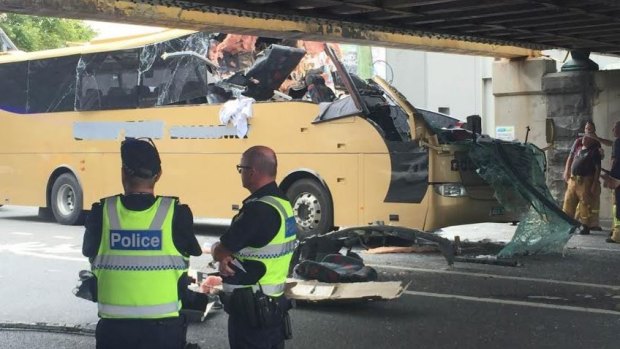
[{"x": 516, "y": 173}]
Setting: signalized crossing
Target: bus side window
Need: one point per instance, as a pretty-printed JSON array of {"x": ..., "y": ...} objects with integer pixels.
[
  {"x": 13, "y": 87},
  {"x": 91, "y": 100},
  {"x": 193, "y": 92},
  {"x": 216, "y": 94},
  {"x": 114, "y": 74},
  {"x": 118, "y": 98},
  {"x": 52, "y": 84},
  {"x": 145, "y": 97}
]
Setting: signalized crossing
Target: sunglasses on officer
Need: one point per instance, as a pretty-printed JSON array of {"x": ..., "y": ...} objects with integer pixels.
[{"x": 243, "y": 167}]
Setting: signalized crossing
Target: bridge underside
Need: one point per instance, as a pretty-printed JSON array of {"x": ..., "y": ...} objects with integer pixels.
[{"x": 501, "y": 28}]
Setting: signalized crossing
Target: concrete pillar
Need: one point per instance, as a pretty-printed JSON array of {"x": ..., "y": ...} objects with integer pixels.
[
  {"x": 519, "y": 98},
  {"x": 605, "y": 112},
  {"x": 529, "y": 91},
  {"x": 570, "y": 100}
]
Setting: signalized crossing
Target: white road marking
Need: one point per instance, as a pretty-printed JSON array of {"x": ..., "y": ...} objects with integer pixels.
[
  {"x": 39, "y": 249},
  {"x": 61, "y": 237},
  {"x": 495, "y": 276},
  {"x": 51, "y": 256},
  {"x": 549, "y": 298},
  {"x": 511, "y": 302},
  {"x": 20, "y": 233},
  {"x": 596, "y": 249}
]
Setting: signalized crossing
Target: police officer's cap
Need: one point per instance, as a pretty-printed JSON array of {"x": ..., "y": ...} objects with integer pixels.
[{"x": 140, "y": 157}]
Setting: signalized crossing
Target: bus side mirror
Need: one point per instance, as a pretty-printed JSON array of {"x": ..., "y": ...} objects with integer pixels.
[{"x": 474, "y": 124}]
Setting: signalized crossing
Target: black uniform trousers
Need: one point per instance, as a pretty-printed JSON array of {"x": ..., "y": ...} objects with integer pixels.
[
  {"x": 166, "y": 333},
  {"x": 243, "y": 336}
]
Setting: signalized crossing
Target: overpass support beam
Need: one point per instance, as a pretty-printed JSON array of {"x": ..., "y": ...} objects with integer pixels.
[{"x": 216, "y": 19}]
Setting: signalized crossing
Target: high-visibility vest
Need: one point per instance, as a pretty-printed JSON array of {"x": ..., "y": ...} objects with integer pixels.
[
  {"x": 276, "y": 255},
  {"x": 137, "y": 265}
]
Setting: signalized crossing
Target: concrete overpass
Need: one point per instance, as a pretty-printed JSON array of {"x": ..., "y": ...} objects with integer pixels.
[{"x": 500, "y": 28}]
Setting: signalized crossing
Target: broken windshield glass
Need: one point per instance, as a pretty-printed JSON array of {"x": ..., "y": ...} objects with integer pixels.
[
  {"x": 190, "y": 69},
  {"x": 516, "y": 173},
  {"x": 141, "y": 77}
]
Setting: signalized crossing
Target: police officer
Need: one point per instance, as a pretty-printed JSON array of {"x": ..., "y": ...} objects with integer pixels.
[
  {"x": 254, "y": 256},
  {"x": 139, "y": 246}
]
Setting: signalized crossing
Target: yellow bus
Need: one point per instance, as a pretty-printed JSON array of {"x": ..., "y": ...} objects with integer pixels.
[{"x": 366, "y": 157}]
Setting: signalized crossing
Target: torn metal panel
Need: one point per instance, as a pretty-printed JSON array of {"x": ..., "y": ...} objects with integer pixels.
[
  {"x": 316, "y": 247},
  {"x": 332, "y": 276}
]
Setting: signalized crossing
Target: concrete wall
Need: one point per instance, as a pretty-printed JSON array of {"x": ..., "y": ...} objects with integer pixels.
[
  {"x": 519, "y": 98},
  {"x": 439, "y": 80},
  {"x": 465, "y": 84},
  {"x": 410, "y": 74}
]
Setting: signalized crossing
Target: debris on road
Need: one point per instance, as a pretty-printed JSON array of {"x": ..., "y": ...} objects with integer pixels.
[
  {"x": 402, "y": 249},
  {"x": 315, "y": 291}
]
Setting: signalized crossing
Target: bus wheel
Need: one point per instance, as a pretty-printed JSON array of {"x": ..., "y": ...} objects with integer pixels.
[
  {"x": 312, "y": 206},
  {"x": 66, "y": 200}
]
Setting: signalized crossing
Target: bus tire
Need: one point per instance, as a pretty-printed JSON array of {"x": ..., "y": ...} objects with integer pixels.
[
  {"x": 312, "y": 206},
  {"x": 66, "y": 200}
]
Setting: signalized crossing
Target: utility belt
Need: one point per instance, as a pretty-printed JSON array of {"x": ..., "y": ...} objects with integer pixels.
[{"x": 258, "y": 309}]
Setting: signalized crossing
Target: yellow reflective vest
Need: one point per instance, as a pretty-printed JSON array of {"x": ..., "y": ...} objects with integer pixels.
[
  {"x": 276, "y": 255},
  {"x": 137, "y": 265}
]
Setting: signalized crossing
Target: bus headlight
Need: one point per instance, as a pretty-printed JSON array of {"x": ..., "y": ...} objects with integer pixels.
[{"x": 450, "y": 189}]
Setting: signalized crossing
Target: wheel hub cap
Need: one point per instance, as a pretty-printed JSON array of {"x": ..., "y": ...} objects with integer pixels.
[
  {"x": 65, "y": 201},
  {"x": 307, "y": 211}
]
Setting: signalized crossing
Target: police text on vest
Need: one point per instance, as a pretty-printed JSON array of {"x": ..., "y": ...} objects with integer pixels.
[{"x": 135, "y": 239}]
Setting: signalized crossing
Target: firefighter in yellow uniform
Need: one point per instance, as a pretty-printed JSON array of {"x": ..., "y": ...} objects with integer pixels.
[
  {"x": 139, "y": 246},
  {"x": 612, "y": 182},
  {"x": 583, "y": 185},
  {"x": 254, "y": 257}
]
